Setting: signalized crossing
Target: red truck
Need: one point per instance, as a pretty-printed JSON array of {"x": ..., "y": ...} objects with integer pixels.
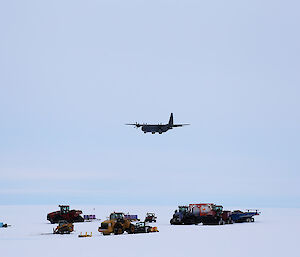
[
  {"x": 65, "y": 214},
  {"x": 210, "y": 214}
]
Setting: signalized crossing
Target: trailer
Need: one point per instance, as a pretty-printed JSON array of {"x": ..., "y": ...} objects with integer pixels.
[
  {"x": 131, "y": 217},
  {"x": 85, "y": 235},
  {"x": 238, "y": 216},
  {"x": 89, "y": 217}
]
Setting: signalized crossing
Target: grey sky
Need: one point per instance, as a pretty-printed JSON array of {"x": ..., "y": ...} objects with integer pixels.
[{"x": 73, "y": 72}]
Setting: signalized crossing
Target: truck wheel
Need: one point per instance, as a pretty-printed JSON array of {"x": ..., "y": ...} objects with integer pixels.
[
  {"x": 118, "y": 230},
  {"x": 252, "y": 219},
  {"x": 248, "y": 220},
  {"x": 131, "y": 229}
]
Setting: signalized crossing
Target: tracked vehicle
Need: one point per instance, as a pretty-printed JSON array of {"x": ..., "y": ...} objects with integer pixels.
[
  {"x": 183, "y": 216},
  {"x": 65, "y": 214}
]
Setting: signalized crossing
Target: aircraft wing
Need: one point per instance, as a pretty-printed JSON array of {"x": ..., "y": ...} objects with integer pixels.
[
  {"x": 134, "y": 124},
  {"x": 180, "y": 125}
]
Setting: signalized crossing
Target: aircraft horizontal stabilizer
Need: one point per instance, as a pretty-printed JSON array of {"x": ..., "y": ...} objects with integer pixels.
[{"x": 180, "y": 125}]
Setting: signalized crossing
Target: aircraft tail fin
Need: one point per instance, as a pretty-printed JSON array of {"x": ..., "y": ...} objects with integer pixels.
[{"x": 171, "y": 120}]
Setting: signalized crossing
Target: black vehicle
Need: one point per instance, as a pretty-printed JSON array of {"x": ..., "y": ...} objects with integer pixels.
[
  {"x": 157, "y": 128},
  {"x": 183, "y": 216},
  {"x": 150, "y": 217}
]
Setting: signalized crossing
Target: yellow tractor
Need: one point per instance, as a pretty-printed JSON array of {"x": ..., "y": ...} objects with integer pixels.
[
  {"x": 63, "y": 227},
  {"x": 118, "y": 223}
]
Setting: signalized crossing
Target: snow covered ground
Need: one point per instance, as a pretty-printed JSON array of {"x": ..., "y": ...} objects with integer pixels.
[{"x": 275, "y": 233}]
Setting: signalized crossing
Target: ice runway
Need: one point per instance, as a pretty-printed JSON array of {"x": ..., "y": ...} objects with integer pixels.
[{"x": 274, "y": 233}]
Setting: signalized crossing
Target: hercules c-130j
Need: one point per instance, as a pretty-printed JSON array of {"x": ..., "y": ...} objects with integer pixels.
[{"x": 157, "y": 128}]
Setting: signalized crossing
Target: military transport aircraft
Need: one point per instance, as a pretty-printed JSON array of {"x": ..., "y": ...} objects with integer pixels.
[{"x": 157, "y": 128}]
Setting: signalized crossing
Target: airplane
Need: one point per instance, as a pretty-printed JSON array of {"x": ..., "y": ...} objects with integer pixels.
[{"x": 157, "y": 128}]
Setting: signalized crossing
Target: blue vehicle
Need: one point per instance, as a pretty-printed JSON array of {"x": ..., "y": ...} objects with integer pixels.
[
  {"x": 183, "y": 216},
  {"x": 3, "y": 225},
  {"x": 238, "y": 216}
]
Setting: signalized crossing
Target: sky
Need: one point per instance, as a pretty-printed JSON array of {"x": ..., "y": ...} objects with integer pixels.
[{"x": 72, "y": 73}]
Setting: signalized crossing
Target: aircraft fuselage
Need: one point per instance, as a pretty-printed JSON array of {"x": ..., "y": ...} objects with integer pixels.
[{"x": 156, "y": 128}]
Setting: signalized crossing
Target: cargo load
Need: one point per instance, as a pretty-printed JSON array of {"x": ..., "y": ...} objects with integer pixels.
[
  {"x": 130, "y": 217},
  {"x": 89, "y": 217}
]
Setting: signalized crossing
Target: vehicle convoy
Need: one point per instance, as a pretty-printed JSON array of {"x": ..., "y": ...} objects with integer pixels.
[
  {"x": 205, "y": 213},
  {"x": 64, "y": 227},
  {"x": 150, "y": 217},
  {"x": 141, "y": 227},
  {"x": 239, "y": 216},
  {"x": 65, "y": 214},
  {"x": 117, "y": 224}
]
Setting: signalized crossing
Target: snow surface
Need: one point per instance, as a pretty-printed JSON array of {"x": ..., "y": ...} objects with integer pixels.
[{"x": 275, "y": 233}]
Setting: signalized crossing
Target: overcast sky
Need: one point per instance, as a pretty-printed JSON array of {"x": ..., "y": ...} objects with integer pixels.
[{"x": 72, "y": 73}]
